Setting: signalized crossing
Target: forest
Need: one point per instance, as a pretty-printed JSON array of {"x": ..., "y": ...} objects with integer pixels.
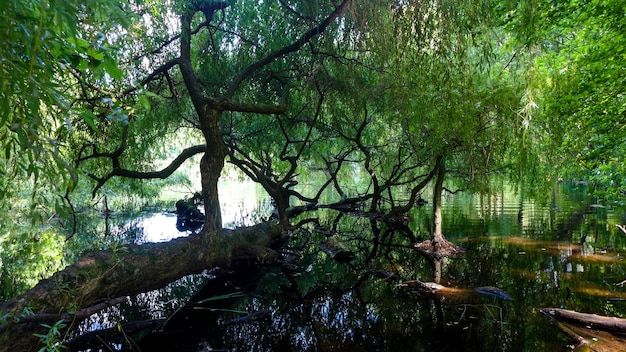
[{"x": 374, "y": 112}]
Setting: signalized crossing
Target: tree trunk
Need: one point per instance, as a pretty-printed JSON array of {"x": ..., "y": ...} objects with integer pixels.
[
  {"x": 436, "y": 264},
  {"x": 281, "y": 198},
  {"x": 437, "y": 231},
  {"x": 376, "y": 193},
  {"x": 124, "y": 271},
  {"x": 211, "y": 168},
  {"x": 438, "y": 247}
]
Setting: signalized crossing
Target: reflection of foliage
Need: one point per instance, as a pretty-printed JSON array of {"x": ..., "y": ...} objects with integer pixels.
[
  {"x": 315, "y": 300},
  {"x": 27, "y": 257},
  {"x": 149, "y": 305}
]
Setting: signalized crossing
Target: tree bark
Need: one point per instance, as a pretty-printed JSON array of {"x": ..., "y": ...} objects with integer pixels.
[
  {"x": 126, "y": 270},
  {"x": 211, "y": 168},
  {"x": 437, "y": 231},
  {"x": 438, "y": 247},
  {"x": 594, "y": 321}
]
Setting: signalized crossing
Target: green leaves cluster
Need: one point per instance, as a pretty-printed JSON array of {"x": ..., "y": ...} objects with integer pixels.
[
  {"x": 42, "y": 43},
  {"x": 579, "y": 73},
  {"x": 52, "y": 339}
]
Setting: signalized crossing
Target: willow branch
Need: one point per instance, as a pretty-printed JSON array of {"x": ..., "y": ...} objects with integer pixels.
[
  {"x": 295, "y": 46},
  {"x": 228, "y": 105},
  {"x": 145, "y": 175}
]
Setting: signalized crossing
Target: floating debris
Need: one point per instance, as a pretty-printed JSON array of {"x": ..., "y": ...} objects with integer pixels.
[
  {"x": 421, "y": 286},
  {"x": 335, "y": 248},
  {"x": 382, "y": 274},
  {"x": 493, "y": 291}
]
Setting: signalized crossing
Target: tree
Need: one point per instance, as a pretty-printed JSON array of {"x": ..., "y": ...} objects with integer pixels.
[
  {"x": 454, "y": 97},
  {"x": 42, "y": 42},
  {"x": 113, "y": 105},
  {"x": 276, "y": 88}
]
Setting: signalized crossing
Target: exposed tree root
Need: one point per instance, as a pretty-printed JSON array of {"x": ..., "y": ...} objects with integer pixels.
[{"x": 438, "y": 250}]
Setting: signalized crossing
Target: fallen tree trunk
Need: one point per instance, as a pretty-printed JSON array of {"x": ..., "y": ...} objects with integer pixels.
[
  {"x": 123, "y": 271},
  {"x": 599, "y": 322},
  {"x": 577, "y": 327}
]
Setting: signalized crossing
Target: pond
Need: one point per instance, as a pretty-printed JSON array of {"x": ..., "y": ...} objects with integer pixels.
[{"x": 567, "y": 253}]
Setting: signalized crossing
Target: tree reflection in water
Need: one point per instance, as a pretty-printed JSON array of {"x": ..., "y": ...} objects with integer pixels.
[{"x": 559, "y": 255}]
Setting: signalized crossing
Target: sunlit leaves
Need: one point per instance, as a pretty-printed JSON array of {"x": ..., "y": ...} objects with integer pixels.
[
  {"x": 43, "y": 41},
  {"x": 449, "y": 89},
  {"x": 581, "y": 69}
]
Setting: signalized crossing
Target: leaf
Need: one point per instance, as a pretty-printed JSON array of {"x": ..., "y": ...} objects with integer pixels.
[
  {"x": 144, "y": 102},
  {"x": 78, "y": 42},
  {"x": 90, "y": 119},
  {"x": 95, "y": 54},
  {"x": 226, "y": 296},
  {"x": 111, "y": 68}
]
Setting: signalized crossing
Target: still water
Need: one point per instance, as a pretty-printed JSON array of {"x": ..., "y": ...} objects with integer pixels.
[{"x": 564, "y": 253}]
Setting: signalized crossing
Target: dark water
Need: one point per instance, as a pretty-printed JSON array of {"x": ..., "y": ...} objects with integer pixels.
[{"x": 566, "y": 253}]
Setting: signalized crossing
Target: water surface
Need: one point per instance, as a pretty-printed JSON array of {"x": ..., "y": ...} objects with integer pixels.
[{"x": 566, "y": 253}]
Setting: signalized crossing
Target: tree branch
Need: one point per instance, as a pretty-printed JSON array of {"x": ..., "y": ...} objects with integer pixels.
[
  {"x": 306, "y": 37},
  {"x": 145, "y": 175},
  {"x": 67, "y": 317},
  {"x": 227, "y": 105}
]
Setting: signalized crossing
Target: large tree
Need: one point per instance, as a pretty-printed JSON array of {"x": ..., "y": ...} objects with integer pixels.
[
  {"x": 400, "y": 93},
  {"x": 221, "y": 56},
  {"x": 453, "y": 95}
]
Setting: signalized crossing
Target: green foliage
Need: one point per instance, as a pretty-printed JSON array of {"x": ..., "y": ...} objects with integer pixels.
[
  {"x": 40, "y": 42},
  {"x": 28, "y": 255},
  {"x": 52, "y": 339},
  {"x": 578, "y": 74},
  {"x": 388, "y": 89},
  {"x": 451, "y": 94}
]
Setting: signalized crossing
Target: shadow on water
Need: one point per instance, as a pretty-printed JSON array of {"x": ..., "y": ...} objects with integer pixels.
[{"x": 519, "y": 257}]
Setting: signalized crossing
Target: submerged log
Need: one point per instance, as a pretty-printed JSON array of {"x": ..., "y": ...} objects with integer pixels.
[
  {"x": 117, "y": 334},
  {"x": 590, "y": 340},
  {"x": 600, "y": 322},
  {"x": 578, "y": 327},
  {"x": 494, "y": 292},
  {"x": 337, "y": 249},
  {"x": 422, "y": 287}
]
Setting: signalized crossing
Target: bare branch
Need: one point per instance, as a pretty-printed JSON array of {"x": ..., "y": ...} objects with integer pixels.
[
  {"x": 81, "y": 314},
  {"x": 162, "y": 174}
]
